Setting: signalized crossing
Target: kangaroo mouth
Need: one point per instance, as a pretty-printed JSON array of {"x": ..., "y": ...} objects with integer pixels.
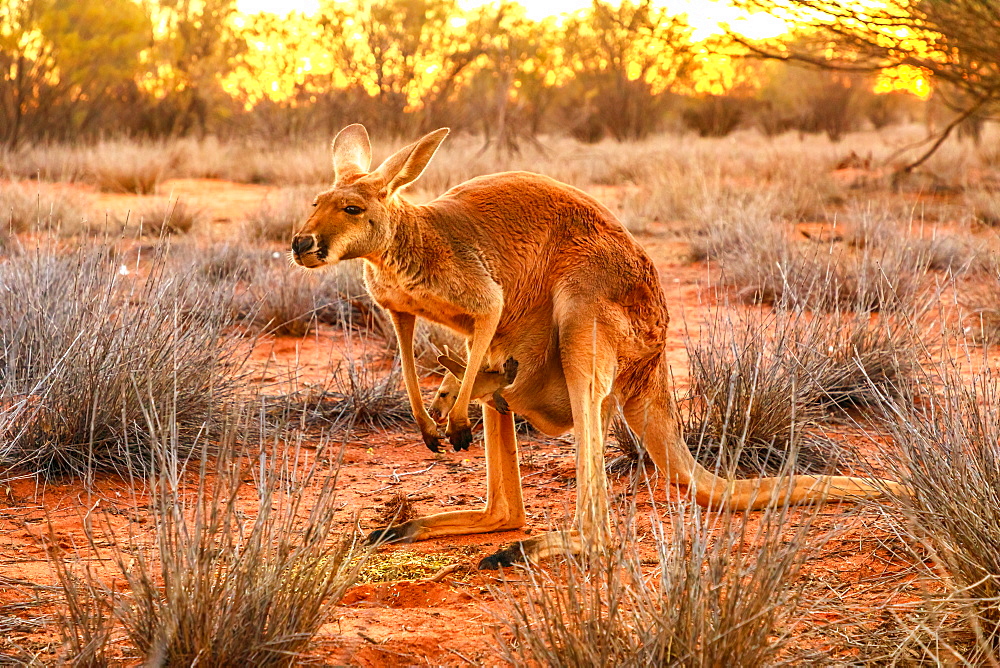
[{"x": 310, "y": 260}]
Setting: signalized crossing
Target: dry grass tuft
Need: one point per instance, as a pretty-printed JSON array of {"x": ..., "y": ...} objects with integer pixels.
[
  {"x": 751, "y": 406},
  {"x": 283, "y": 301},
  {"x": 762, "y": 384},
  {"x": 832, "y": 279},
  {"x": 221, "y": 263},
  {"x": 27, "y": 209},
  {"x": 280, "y": 214},
  {"x": 734, "y": 224},
  {"x": 949, "y": 460},
  {"x": 169, "y": 217},
  {"x": 983, "y": 320},
  {"x": 85, "y": 348},
  {"x": 237, "y": 574},
  {"x": 359, "y": 395},
  {"x": 985, "y": 206},
  {"x": 721, "y": 593}
]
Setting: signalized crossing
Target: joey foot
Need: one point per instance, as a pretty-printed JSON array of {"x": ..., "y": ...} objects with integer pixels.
[{"x": 501, "y": 404}]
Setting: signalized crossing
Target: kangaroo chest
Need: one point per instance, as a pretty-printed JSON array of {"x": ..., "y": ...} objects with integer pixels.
[{"x": 419, "y": 301}]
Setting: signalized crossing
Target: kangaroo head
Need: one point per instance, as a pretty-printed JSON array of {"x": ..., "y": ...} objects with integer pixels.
[{"x": 357, "y": 217}]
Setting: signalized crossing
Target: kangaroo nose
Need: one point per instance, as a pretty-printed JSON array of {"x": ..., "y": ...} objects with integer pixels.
[{"x": 303, "y": 244}]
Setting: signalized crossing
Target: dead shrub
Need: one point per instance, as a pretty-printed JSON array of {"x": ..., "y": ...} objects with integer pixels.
[
  {"x": 949, "y": 253},
  {"x": 631, "y": 452},
  {"x": 88, "y": 346},
  {"x": 86, "y": 621}
]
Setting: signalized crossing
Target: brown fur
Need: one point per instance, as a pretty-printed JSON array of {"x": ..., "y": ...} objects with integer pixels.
[{"x": 526, "y": 267}]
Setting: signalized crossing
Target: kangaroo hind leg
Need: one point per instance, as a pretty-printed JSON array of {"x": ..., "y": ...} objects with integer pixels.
[
  {"x": 504, "y": 508},
  {"x": 588, "y": 358}
]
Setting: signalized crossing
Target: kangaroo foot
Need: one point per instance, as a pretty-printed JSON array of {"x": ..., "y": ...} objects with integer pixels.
[
  {"x": 534, "y": 549},
  {"x": 399, "y": 533},
  {"x": 506, "y": 556}
]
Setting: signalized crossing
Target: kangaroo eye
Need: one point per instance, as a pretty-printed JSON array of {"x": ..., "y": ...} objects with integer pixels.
[
  {"x": 443, "y": 395},
  {"x": 353, "y": 210}
]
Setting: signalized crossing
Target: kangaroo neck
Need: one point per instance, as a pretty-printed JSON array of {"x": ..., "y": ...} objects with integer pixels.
[{"x": 411, "y": 242}]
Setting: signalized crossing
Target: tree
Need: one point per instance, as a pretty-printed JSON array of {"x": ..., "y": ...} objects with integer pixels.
[
  {"x": 195, "y": 45},
  {"x": 957, "y": 42},
  {"x": 62, "y": 63},
  {"x": 407, "y": 54},
  {"x": 96, "y": 47},
  {"x": 26, "y": 65},
  {"x": 509, "y": 90},
  {"x": 625, "y": 57}
]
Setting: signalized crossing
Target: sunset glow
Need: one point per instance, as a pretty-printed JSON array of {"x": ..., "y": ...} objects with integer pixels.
[
  {"x": 280, "y": 68},
  {"x": 704, "y": 15}
]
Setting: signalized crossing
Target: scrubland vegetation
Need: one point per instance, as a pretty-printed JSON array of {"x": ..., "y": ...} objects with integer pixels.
[
  {"x": 832, "y": 323},
  {"x": 194, "y": 434}
]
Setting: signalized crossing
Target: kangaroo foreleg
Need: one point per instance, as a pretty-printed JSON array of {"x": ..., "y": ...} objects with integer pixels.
[
  {"x": 459, "y": 429},
  {"x": 404, "y": 324}
]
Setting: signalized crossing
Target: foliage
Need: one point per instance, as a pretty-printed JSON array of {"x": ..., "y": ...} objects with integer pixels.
[
  {"x": 244, "y": 566},
  {"x": 62, "y": 62},
  {"x": 625, "y": 56},
  {"x": 612, "y": 69},
  {"x": 721, "y": 593}
]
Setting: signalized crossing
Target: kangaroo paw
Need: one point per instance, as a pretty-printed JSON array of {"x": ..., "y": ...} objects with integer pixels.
[
  {"x": 432, "y": 441},
  {"x": 460, "y": 437}
]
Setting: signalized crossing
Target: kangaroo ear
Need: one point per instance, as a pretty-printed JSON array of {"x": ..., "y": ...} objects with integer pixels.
[
  {"x": 456, "y": 369},
  {"x": 406, "y": 165},
  {"x": 352, "y": 151}
]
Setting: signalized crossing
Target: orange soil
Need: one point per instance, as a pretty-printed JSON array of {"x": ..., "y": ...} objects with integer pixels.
[{"x": 415, "y": 622}]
